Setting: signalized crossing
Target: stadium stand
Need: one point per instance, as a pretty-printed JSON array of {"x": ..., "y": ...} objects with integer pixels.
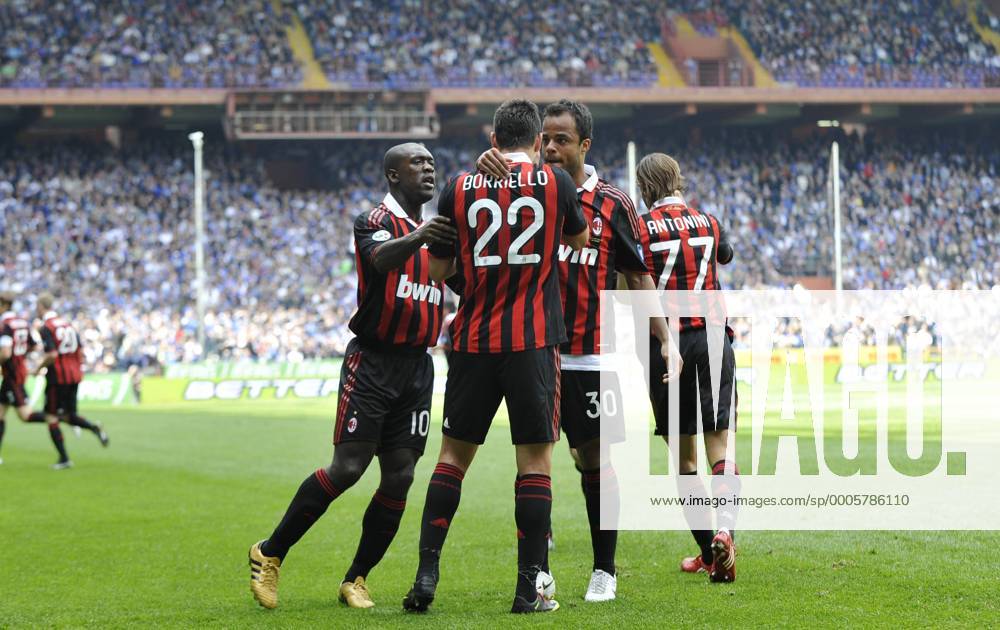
[
  {"x": 120, "y": 43},
  {"x": 108, "y": 230},
  {"x": 847, "y": 43},
  {"x": 401, "y": 43}
]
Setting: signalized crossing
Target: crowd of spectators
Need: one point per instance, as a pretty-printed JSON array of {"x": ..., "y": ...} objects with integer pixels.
[
  {"x": 128, "y": 43},
  {"x": 110, "y": 231},
  {"x": 403, "y": 43},
  {"x": 418, "y": 43},
  {"x": 918, "y": 43}
]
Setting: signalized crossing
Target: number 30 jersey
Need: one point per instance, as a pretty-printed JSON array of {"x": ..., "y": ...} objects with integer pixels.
[
  {"x": 507, "y": 255},
  {"x": 681, "y": 246},
  {"x": 59, "y": 336}
]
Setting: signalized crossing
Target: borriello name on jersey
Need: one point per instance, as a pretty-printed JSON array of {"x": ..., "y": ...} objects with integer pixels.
[{"x": 537, "y": 177}]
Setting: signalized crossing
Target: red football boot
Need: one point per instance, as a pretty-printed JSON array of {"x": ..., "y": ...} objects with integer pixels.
[
  {"x": 724, "y": 567},
  {"x": 695, "y": 565}
]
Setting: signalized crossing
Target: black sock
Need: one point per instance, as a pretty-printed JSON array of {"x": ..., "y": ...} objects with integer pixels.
[
  {"x": 3, "y": 427},
  {"x": 443, "y": 495},
  {"x": 699, "y": 514},
  {"x": 36, "y": 416},
  {"x": 726, "y": 486},
  {"x": 378, "y": 528},
  {"x": 548, "y": 536},
  {"x": 598, "y": 482},
  {"x": 57, "y": 438},
  {"x": 533, "y": 516},
  {"x": 83, "y": 423},
  {"x": 310, "y": 502}
]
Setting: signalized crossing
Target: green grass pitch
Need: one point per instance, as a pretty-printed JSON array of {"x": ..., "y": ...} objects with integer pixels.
[{"x": 154, "y": 531}]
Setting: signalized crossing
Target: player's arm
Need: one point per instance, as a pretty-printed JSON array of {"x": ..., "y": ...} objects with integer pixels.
[
  {"x": 641, "y": 281},
  {"x": 50, "y": 354},
  {"x": 493, "y": 163},
  {"x": 6, "y": 347},
  {"x": 724, "y": 252},
  {"x": 442, "y": 253},
  {"x": 575, "y": 232},
  {"x": 394, "y": 253}
]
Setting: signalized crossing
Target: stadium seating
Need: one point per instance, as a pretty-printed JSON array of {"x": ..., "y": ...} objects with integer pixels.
[
  {"x": 848, "y": 43},
  {"x": 399, "y": 44},
  {"x": 111, "y": 231},
  {"x": 119, "y": 43}
]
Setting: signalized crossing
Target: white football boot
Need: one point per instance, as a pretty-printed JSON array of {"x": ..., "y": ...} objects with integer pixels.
[{"x": 602, "y": 587}]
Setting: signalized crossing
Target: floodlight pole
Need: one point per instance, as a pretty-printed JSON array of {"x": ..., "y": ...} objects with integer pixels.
[
  {"x": 838, "y": 276},
  {"x": 198, "y": 141},
  {"x": 630, "y": 157}
]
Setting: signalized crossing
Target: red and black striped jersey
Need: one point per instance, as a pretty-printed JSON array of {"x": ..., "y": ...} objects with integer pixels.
[
  {"x": 401, "y": 308},
  {"x": 681, "y": 246},
  {"x": 614, "y": 246},
  {"x": 15, "y": 333},
  {"x": 60, "y": 337},
  {"x": 507, "y": 255}
]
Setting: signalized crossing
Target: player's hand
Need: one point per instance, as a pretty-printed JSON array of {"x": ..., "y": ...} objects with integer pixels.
[
  {"x": 672, "y": 359},
  {"x": 437, "y": 230},
  {"x": 494, "y": 164}
]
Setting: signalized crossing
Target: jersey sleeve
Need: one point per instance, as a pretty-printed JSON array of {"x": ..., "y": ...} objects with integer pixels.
[
  {"x": 569, "y": 203},
  {"x": 629, "y": 255},
  {"x": 369, "y": 233},
  {"x": 6, "y": 337},
  {"x": 48, "y": 341},
  {"x": 724, "y": 252},
  {"x": 446, "y": 208}
]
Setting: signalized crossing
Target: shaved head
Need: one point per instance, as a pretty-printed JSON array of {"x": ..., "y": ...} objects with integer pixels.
[{"x": 398, "y": 154}]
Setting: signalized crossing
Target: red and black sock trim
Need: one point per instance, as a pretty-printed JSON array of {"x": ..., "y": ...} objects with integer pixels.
[{"x": 324, "y": 481}]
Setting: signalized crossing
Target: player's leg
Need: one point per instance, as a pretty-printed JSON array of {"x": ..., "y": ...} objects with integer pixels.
[
  {"x": 51, "y": 417},
  {"x": 380, "y": 523},
  {"x": 361, "y": 409},
  {"x": 697, "y": 505},
  {"x": 533, "y": 517},
  {"x": 718, "y": 424},
  {"x": 471, "y": 399},
  {"x": 73, "y": 418},
  {"x": 690, "y": 488},
  {"x": 3, "y": 425},
  {"x": 531, "y": 387},
  {"x": 311, "y": 500},
  {"x": 403, "y": 439}
]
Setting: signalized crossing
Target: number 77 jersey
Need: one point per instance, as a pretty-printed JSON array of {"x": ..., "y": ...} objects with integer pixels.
[
  {"x": 681, "y": 246},
  {"x": 507, "y": 255}
]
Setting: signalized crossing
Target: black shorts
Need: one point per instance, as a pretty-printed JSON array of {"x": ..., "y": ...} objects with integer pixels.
[
  {"x": 385, "y": 397},
  {"x": 695, "y": 387},
  {"x": 586, "y": 407},
  {"x": 527, "y": 380},
  {"x": 13, "y": 394},
  {"x": 60, "y": 399}
]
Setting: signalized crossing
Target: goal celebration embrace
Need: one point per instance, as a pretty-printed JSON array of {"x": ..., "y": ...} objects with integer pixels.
[
  {"x": 457, "y": 314},
  {"x": 507, "y": 240}
]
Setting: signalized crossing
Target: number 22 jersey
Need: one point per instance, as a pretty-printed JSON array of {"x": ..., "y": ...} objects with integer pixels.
[{"x": 507, "y": 252}]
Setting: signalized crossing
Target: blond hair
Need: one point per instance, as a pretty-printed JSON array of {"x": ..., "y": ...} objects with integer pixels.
[
  {"x": 46, "y": 300},
  {"x": 659, "y": 176}
]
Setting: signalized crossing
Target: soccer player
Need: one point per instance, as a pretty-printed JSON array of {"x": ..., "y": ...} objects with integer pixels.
[
  {"x": 683, "y": 250},
  {"x": 567, "y": 134},
  {"x": 386, "y": 381},
  {"x": 505, "y": 340},
  {"x": 63, "y": 365},
  {"x": 16, "y": 342}
]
